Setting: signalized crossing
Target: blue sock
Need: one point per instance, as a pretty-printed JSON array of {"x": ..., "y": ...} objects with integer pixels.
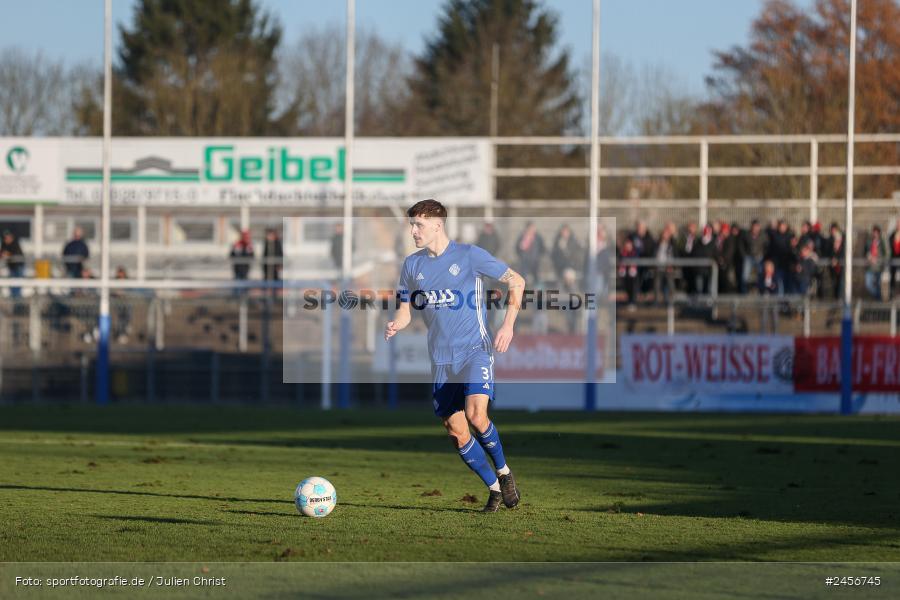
[
  {"x": 473, "y": 455},
  {"x": 490, "y": 441}
]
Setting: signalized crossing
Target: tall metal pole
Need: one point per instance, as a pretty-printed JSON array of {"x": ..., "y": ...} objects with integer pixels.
[
  {"x": 347, "y": 247},
  {"x": 495, "y": 101},
  {"x": 103, "y": 325},
  {"x": 847, "y": 321},
  {"x": 590, "y": 395},
  {"x": 495, "y": 86}
]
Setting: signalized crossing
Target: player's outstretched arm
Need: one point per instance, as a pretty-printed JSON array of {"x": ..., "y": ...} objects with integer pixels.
[
  {"x": 516, "y": 287},
  {"x": 401, "y": 320}
]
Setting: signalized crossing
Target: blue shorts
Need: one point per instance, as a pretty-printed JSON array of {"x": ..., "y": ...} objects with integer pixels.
[{"x": 452, "y": 383}]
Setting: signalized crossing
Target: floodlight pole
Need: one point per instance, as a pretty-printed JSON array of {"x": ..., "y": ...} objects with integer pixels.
[
  {"x": 346, "y": 334},
  {"x": 590, "y": 372},
  {"x": 103, "y": 324},
  {"x": 847, "y": 317}
]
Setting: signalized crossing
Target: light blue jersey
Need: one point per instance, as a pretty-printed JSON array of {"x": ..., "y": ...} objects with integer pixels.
[{"x": 448, "y": 291}]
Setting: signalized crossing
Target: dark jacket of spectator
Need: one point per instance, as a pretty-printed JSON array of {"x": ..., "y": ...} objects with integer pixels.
[
  {"x": 756, "y": 244},
  {"x": 779, "y": 249},
  {"x": 273, "y": 257},
  {"x": 875, "y": 253},
  {"x": 488, "y": 239},
  {"x": 805, "y": 270},
  {"x": 12, "y": 252},
  {"x": 566, "y": 252},
  {"x": 529, "y": 250},
  {"x": 75, "y": 253},
  {"x": 894, "y": 243},
  {"x": 241, "y": 255}
]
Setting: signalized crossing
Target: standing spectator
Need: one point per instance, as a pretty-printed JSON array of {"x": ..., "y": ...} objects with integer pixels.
[
  {"x": 75, "y": 253},
  {"x": 687, "y": 248},
  {"x": 122, "y": 324},
  {"x": 726, "y": 248},
  {"x": 488, "y": 239},
  {"x": 565, "y": 255},
  {"x": 790, "y": 284},
  {"x": 874, "y": 252},
  {"x": 664, "y": 282},
  {"x": 629, "y": 272},
  {"x": 273, "y": 256},
  {"x": 756, "y": 246},
  {"x": 805, "y": 269},
  {"x": 337, "y": 246},
  {"x": 894, "y": 248},
  {"x": 833, "y": 252},
  {"x": 741, "y": 257},
  {"x": 242, "y": 256},
  {"x": 781, "y": 254},
  {"x": 819, "y": 241},
  {"x": 603, "y": 264},
  {"x": 15, "y": 260},
  {"x": 530, "y": 249},
  {"x": 806, "y": 235},
  {"x": 706, "y": 248},
  {"x": 645, "y": 246}
]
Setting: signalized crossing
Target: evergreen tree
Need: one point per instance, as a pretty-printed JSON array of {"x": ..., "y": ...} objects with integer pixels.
[
  {"x": 196, "y": 67},
  {"x": 537, "y": 92},
  {"x": 451, "y": 86}
]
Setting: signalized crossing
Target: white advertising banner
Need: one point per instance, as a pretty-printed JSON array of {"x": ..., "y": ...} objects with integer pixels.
[
  {"x": 722, "y": 364},
  {"x": 410, "y": 354},
  {"x": 308, "y": 172},
  {"x": 30, "y": 170}
]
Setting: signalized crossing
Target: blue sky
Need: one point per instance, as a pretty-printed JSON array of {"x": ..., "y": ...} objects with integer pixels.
[{"x": 678, "y": 34}]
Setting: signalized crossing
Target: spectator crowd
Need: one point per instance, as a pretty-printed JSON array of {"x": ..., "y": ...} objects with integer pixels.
[{"x": 765, "y": 259}]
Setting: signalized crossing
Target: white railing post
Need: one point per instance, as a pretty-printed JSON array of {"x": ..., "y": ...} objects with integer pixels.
[
  {"x": 37, "y": 232},
  {"x": 807, "y": 319},
  {"x": 141, "y": 241},
  {"x": 242, "y": 322},
  {"x": 670, "y": 317},
  {"x": 813, "y": 181},
  {"x": 893, "y": 318},
  {"x": 704, "y": 181}
]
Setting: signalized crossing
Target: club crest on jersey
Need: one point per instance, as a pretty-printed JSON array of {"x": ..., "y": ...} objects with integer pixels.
[{"x": 454, "y": 269}]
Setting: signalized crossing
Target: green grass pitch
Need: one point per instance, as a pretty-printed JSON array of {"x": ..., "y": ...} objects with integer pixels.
[{"x": 212, "y": 483}]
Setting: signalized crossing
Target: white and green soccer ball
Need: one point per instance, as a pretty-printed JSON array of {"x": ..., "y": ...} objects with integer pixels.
[{"x": 315, "y": 497}]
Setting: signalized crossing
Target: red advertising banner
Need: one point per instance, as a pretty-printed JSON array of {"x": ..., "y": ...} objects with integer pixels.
[
  {"x": 875, "y": 364},
  {"x": 546, "y": 357}
]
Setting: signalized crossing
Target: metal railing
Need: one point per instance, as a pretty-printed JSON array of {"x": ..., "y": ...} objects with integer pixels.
[
  {"x": 702, "y": 171},
  {"x": 772, "y": 311}
]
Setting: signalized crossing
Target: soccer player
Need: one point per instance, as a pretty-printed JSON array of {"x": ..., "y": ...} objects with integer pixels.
[{"x": 445, "y": 281}]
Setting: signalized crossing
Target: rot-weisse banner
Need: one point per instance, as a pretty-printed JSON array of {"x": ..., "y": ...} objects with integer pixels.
[
  {"x": 875, "y": 364},
  {"x": 710, "y": 364}
]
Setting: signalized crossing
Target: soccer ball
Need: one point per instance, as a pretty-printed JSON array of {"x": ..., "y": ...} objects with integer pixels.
[{"x": 315, "y": 497}]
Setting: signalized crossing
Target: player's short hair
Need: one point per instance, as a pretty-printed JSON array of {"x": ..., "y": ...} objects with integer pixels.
[{"x": 427, "y": 208}]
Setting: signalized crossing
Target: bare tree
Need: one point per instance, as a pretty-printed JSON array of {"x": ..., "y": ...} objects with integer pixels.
[
  {"x": 312, "y": 77},
  {"x": 618, "y": 86},
  {"x": 35, "y": 94}
]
